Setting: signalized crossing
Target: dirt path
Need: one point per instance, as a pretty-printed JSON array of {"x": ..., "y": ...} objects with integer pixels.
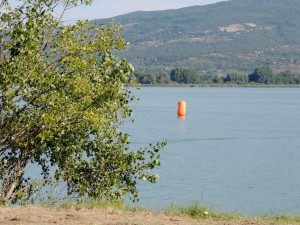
[{"x": 48, "y": 216}]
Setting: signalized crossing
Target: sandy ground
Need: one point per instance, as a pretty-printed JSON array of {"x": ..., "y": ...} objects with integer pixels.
[{"x": 46, "y": 216}]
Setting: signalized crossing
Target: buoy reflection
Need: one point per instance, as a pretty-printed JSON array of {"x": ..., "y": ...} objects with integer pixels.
[
  {"x": 182, "y": 117},
  {"x": 182, "y": 126}
]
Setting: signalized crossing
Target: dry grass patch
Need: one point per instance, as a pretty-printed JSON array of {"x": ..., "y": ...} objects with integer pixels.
[{"x": 96, "y": 213}]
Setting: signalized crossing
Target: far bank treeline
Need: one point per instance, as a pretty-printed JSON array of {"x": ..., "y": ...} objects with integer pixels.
[{"x": 261, "y": 75}]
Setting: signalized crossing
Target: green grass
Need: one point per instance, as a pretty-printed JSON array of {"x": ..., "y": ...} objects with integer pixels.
[
  {"x": 100, "y": 204},
  {"x": 90, "y": 204},
  {"x": 197, "y": 211}
]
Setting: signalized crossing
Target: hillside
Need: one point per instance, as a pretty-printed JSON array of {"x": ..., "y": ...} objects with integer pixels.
[{"x": 236, "y": 35}]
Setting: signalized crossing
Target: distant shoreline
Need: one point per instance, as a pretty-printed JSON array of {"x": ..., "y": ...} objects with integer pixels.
[{"x": 221, "y": 85}]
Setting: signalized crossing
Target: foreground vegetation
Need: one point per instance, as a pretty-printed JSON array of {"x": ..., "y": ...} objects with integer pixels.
[
  {"x": 99, "y": 212},
  {"x": 62, "y": 100}
]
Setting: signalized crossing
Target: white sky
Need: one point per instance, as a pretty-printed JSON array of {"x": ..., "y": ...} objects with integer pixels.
[{"x": 108, "y": 8}]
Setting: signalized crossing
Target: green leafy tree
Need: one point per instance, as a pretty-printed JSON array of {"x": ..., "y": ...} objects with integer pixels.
[
  {"x": 146, "y": 78},
  {"x": 62, "y": 101},
  {"x": 286, "y": 77},
  {"x": 163, "y": 79},
  {"x": 217, "y": 79},
  {"x": 262, "y": 75},
  {"x": 235, "y": 78},
  {"x": 185, "y": 76}
]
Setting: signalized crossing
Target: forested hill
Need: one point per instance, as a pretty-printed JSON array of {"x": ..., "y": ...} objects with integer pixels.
[{"x": 236, "y": 35}]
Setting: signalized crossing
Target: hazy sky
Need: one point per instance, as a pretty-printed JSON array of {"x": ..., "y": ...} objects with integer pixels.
[{"x": 109, "y": 8}]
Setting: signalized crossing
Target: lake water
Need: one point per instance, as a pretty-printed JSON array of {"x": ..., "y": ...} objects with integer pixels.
[{"x": 237, "y": 150}]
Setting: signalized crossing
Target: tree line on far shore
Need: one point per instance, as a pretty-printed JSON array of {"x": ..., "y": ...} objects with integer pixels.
[{"x": 261, "y": 75}]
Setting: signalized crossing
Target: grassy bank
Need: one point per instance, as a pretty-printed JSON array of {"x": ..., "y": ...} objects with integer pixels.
[
  {"x": 97, "y": 212},
  {"x": 202, "y": 212},
  {"x": 194, "y": 211}
]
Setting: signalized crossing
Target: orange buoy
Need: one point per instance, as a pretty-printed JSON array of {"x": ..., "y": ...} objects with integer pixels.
[{"x": 181, "y": 108}]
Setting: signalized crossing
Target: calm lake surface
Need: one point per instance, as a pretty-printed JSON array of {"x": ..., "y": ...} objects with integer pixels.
[{"x": 237, "y": 150}]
